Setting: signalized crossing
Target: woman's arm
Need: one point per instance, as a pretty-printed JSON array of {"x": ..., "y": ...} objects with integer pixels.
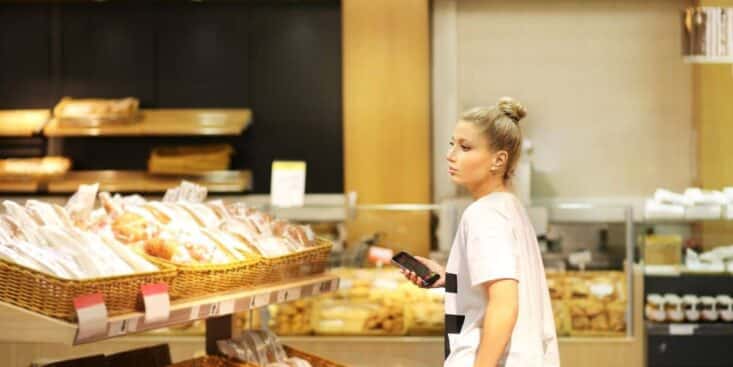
[{"x": 499, "y": 319}]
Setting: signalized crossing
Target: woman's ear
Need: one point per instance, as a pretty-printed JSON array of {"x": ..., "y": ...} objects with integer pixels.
[{"x": 500, "y": 160}]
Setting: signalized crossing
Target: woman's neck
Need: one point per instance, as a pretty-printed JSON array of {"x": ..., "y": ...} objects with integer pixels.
[{"x": 487, "y": 187}]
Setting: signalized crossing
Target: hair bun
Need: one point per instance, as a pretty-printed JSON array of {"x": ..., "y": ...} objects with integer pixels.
[{"x": 511, "y": 108}]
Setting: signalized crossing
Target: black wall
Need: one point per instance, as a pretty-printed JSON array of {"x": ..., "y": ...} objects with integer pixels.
[{"x": 282, "y": 59}]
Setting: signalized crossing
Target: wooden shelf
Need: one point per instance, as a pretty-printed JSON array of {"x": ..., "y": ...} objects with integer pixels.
[
  {"x": 22, "y": 123},
  {"x": 165, "y": 122},
  {"x": 685, "y": 329},
  {"x": 20, "y": 325},
  {"x": 144, "y": 182}
]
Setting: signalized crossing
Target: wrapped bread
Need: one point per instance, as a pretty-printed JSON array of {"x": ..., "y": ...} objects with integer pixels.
[{"x": 93, "y": 109}]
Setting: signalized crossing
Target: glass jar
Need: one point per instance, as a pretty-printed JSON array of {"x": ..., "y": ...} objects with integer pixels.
[{"x": 691, "y": 307}]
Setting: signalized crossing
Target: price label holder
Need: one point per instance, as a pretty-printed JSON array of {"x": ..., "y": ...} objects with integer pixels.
[
  {"x": 287, "y": 295},
  {"x": 91, "y": 313},
  {"x": 157, "y": 302},
  {"x": 682, "y": 329},
  {"x": 287, "y": 184},
  {"x": 122, "y": 327},
  {"x": 259, "y": 300}
]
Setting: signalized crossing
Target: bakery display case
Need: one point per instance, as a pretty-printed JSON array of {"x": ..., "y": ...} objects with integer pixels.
[{"x": 687, "y": 290}]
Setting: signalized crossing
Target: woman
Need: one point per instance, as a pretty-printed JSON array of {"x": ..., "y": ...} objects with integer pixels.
[{"x": 497, "y": 304}]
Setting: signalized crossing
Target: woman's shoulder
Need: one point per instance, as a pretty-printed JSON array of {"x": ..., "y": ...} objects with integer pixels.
[{"x": 495, "y": 205}]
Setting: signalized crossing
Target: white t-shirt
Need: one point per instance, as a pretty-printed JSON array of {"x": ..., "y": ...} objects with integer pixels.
[{"x": 495, "y": 240}]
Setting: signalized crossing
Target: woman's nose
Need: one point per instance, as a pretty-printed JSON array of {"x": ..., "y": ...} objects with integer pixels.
[{"x": 449, "y": 155}]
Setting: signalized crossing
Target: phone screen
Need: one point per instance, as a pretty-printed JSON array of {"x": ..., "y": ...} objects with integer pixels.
[{"x": 408, "y": 262}]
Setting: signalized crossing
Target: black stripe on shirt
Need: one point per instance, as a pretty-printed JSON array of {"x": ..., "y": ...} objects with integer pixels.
[
  {"x": 453, "y": 325},
  {"x": 451, "y": 283}
]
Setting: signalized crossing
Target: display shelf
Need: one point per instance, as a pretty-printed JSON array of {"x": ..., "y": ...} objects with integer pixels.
[
  {"x": 20, "y": 325},
  {"x": 164, "y": 122},
  {"x": 142, "y": 181},
  {"x": 22, "y": 123},
  {"x": 699, "y": 59},
  {"x": 689, "y": 329}
]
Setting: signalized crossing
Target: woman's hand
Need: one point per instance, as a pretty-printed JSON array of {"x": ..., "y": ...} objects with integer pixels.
[{"x": 433, "y": 266}]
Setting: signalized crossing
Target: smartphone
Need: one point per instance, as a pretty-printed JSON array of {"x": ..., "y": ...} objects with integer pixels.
[{"x": 407, "y": 261}]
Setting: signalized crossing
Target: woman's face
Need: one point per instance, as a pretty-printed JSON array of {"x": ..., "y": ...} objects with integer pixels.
[{"x": 470, "y": 159}]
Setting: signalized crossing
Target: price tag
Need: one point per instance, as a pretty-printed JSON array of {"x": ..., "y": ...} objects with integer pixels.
[
  {"x": 194, "y": 312},
  {"x": 117, "y": 328},
  {"x": 287, "y": 184},
  {"x": 213, "y": 310},
  {"x": 380, "y": 255},
  {"x": 682, "y": 329},
  {"x": 288, "y": 295},
  {"x": 259, "y": 300},
  {"x": 157, "y": 302},
  {"x": 91, "y": 313},
  {"x": 226, "y": 307}
]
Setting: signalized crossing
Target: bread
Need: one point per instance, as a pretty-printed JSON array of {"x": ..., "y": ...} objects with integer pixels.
[{"x": 69, "y": 108}]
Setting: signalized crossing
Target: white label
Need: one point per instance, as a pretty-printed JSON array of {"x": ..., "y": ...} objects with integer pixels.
[
  {"x": 287, "y": 185},
  {"x": 157, "y": 302},
  {"x": 117, "y": 328},
  {"x": 91, "y": 313},
  {"x": 226, "y": 307},
  {"x": 288, "y": 295},
  {"x": 259, "y": 300},
  {"x": 194, "y": 312},
  {"x": 682, "y": 329},
  {"x": 213, "y": 310}
]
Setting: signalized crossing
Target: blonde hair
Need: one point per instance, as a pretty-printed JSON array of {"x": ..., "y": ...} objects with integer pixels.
[{"x": 500, "y": 123}]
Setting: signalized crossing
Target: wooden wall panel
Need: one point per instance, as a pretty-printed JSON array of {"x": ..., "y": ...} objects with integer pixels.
[
  {"x": 386, "y": 94},
  {"x": 105, "y": 54},
  {"x": 714, "y": 119},
  {"x": 25, "y": 64}
]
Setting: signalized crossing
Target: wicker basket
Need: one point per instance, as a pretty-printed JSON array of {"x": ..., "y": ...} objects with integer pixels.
[
  {"x": 52, "y": 296},
  {"x": 315, "y": 361},
  {"x": 313, "y": 260},
  {"x": 198, "y": 280},
  {"x": 216, "y": 361},
  {"x": 209, "y": 361}
]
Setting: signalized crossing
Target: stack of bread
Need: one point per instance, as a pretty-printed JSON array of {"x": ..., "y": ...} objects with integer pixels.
[
  {"x": 43, "y": 237},
  {"x": 202, "y": 233},
  {"x": 82, "y": 241},
  {"x": 588, "y": 303}
]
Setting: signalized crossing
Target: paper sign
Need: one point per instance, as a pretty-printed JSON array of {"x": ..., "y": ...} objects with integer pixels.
[
  {"x": 91, "y": 313},
  {"x": 380, "y": 255},
  {"x": 157, "y": 302},
  {"x": 287, "y": 184}
]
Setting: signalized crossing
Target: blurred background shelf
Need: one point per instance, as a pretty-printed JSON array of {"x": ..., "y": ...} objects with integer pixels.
[
  {"x": 164, "y": 122},
  {"x": 22, "y": 123},
  {"x": 142, "y": 181}
]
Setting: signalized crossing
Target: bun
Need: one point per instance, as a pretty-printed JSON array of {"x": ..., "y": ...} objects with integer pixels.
[{"x": 511, "y": 108}]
